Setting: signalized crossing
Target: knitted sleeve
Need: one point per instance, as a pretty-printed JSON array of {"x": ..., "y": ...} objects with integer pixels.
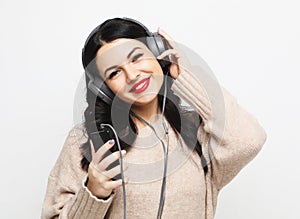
[
  {"x": 233, "y": 136},
  {"x": 67, "y": 195}
]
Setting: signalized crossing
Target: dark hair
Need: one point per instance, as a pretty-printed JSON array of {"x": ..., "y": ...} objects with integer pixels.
[{"x": 98, "y": 111}]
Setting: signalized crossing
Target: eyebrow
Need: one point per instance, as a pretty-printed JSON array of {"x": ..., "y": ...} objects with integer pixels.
[{"x": 128, "y": 56}]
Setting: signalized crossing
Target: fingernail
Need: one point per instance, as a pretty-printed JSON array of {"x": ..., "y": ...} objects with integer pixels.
[
  {"x": 123, "y": 152},
  {"x": 111, "y": 141},
  {"x": 126, "y": 179}
]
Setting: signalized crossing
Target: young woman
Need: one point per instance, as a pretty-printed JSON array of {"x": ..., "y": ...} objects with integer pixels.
[{"x": 168, "y": 160}]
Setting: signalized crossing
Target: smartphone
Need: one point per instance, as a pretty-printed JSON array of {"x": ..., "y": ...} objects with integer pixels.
[{"x": 102, "y": 136}]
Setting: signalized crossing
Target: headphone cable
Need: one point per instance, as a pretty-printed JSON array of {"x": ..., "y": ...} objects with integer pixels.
[
  {"x": 166, "y": 150},
  {"x": 163, "y": 191}
]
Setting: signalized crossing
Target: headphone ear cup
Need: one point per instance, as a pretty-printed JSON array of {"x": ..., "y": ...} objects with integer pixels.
[
  {"x": 160, "y": 43},
  {"x": 105, "y": 92},
  {"x": 157, "y": 46},
  {"x": 96, "y": 84},
  {"x": 100, "y": 89}
]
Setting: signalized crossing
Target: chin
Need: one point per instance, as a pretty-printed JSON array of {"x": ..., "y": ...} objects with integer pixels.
[{"x": 145, "y": 99}]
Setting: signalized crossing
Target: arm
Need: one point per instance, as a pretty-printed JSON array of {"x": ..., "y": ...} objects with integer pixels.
[
  {"x": 233, "y": 136},
  {"x": 67, "y": 195}
]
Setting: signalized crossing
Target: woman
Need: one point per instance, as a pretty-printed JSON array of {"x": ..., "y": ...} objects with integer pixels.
[{"x": 174, "y": 160}]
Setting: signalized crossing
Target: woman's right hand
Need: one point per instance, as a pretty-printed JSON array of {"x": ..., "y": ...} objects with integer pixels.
[{"x": 100, "y": 181}]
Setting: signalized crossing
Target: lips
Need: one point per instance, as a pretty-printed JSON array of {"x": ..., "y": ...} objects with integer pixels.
[{"x": 140, "y": 86}]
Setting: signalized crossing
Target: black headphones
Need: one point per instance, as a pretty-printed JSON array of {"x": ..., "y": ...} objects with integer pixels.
[{"x": 155, "y": 43}]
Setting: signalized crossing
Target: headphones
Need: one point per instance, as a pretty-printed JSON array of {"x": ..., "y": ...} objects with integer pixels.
[{"x": 155, "y": 43}]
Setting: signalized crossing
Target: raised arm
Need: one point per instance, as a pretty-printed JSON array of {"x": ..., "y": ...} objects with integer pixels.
[{"x": 232, "y": 135}]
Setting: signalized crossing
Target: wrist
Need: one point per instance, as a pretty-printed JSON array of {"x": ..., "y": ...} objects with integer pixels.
[{"x": 92, "y": 189}]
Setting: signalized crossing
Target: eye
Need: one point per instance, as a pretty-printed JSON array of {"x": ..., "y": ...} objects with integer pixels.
[
  {"x": 136, "y": 57},
  {"x": 114, "y": 73}
]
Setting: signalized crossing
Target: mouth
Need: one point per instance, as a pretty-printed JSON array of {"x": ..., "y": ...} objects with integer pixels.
[{"x": 140, "y": 86}]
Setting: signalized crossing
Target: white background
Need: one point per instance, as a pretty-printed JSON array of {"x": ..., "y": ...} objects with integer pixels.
[{"x": 252, "y": 47}]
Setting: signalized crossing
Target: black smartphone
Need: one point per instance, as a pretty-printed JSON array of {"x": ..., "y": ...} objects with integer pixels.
[{"x": 102, "y": 136}]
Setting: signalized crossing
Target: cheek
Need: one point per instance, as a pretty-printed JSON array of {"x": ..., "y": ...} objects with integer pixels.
[
  {"x": 158, "y": 81},
  {"x": 114, "y": 86},
  {"x": 158, "y": 67},
  {"x": 118, "y": 86},
  {"x": 154, "y": 67},
  {"x": 150, "y": 64}
]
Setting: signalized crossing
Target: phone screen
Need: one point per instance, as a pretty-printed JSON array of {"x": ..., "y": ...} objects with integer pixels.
[{"x": 99, "y": 138}]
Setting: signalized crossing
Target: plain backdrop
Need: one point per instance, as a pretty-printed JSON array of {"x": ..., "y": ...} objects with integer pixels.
[{"x": 251, "y": 46}]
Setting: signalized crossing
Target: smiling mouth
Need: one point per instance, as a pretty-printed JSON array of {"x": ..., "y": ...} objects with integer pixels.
[{"x": 140, "y": 86}]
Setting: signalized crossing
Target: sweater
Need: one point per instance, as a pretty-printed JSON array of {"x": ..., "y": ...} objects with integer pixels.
[{"x": 230, "y": 138}]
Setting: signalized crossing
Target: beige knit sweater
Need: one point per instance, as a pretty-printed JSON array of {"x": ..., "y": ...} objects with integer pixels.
[{"x": 230, "y": 137}]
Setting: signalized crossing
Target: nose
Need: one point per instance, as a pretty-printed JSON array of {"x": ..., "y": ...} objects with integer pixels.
[{"x": 131, "y": 72}]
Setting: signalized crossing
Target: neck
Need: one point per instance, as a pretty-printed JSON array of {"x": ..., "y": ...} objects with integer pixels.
[{"x": 149, "y": 112}]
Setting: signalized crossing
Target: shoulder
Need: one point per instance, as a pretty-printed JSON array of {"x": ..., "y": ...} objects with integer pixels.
[
  {"x": 73, "y": 146},
  {"x": 78, "y": 134},
  {"x": 68, "y": 163}
]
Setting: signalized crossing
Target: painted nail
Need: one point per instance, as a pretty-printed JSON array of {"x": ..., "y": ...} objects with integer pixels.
[
  {"x": 111, "y": 141},
  {"x": 123, "y": 152}
]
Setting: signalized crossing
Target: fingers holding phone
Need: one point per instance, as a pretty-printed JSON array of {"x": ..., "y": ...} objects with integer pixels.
[{"x": 100, "y": 180}]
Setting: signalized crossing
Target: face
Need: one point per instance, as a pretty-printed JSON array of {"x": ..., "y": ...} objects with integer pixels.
[{"x": 130, "y": 70}]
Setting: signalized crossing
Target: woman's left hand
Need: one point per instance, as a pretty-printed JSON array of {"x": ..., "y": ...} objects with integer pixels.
[{"x": 179, "y": 62}]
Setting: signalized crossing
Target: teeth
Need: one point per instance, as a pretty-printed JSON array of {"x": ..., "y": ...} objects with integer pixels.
[{"x": 140, "y": 85}]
